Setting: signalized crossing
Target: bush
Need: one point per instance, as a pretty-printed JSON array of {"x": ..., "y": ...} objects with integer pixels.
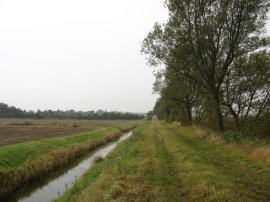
[{"x": 233, "y": 137}]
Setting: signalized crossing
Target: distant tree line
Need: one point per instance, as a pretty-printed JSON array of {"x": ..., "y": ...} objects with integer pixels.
[
  {"x": 13, "y": 112},
  {"x": 216, "y": 64}
]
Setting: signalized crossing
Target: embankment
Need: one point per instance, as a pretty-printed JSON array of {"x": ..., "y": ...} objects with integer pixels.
[{"x": 22, "y": 163}]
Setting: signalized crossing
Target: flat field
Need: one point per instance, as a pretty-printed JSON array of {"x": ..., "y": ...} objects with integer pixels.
[{"x": 14, "y": 131}]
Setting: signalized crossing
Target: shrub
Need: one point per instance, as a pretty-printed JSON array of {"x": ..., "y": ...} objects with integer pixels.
[{"x": 233, "y": 137}]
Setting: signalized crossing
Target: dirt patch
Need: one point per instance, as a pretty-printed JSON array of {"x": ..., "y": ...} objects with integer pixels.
[{"x": 13, "y": 135}]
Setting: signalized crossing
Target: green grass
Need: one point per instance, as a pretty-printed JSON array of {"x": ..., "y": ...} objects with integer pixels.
[
  {"x": 162, "y": 162},
  {"x": 119, "y": 169},
  {"x": 12, "y": 156},
  {"x": 23, "y": 162}
]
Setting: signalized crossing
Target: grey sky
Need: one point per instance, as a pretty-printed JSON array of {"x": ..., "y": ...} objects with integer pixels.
[{"x": 82, "y": 55}]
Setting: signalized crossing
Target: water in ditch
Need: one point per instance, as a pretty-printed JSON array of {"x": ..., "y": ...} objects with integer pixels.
[{"x": 55, "y": 185}]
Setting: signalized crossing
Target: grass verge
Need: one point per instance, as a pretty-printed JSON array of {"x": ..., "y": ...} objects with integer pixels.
[{"x": 162, "y": 162}]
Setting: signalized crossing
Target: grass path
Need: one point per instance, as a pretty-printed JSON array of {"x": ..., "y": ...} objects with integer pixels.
[
  {"x": 162, "y": 162},
  {"x": 241, "y": 177}
]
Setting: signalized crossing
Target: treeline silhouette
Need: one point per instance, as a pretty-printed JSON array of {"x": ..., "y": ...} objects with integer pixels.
[{"x": 13, "y": 112}]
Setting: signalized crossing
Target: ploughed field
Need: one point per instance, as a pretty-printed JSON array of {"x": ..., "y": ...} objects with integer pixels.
[
  {"x": 14, "y": 131},
  {"x": 13, "y": 135}
]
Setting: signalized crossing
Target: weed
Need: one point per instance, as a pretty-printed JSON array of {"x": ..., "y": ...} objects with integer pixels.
[
  {"x": 233, "y": 137},
  {"x": 98, "y": 159},
  {"x": 262, "y": 154}
]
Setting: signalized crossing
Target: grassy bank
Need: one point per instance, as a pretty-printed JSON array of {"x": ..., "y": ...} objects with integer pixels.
[
  {"x": 162, "y": 162},
  {"x": 23, "y": 162},
  {"x": 255, "y": 148}
]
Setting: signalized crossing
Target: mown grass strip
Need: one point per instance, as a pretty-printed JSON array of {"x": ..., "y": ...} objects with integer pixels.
[
  {"x": 232, "y": 172},
  {"x": 162, "y": 162},
  {"x": 26, "y": 161},
  {"x": 121, "y": 176},
  {"x": 166, "y": 172}
]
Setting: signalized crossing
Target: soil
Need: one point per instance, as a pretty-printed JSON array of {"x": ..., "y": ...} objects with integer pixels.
[
  {"x": 13, "y": 131},
  {"x": 13, "y": 135}
]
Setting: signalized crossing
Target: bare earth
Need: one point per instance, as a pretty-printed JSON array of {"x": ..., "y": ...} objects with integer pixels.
[{"x": 12, "y": 133}]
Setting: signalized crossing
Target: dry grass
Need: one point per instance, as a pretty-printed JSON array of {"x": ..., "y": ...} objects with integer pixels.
[
  {"x": 208, "y": 134},
  {"x": 164, "y": 162},
  {"x": 120, "y": 177},
  {"x": 120, "y": 187},
  {"x": 262, "y": 154}
]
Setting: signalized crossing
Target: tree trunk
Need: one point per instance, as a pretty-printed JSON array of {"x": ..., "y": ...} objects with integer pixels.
[
  {"x": 217, "y": 112},
  {"x": 188, "y": 112},
  {"x": 235, "y": 116}
]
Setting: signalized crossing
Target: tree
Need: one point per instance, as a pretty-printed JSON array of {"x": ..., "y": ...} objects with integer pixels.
[
  {"x": 178, "y": 90},
  {"x": 149, "y": 115},
  {"x": 202, "y": 38},
  {"x": 246, "y": 90},
  {"x": 167, "y": 110}
]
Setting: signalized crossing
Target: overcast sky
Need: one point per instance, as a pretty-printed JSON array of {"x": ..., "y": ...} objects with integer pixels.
[{"x": 77, "y": 54}]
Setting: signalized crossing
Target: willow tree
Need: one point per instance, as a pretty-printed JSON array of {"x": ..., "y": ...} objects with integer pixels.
[
  {"x": 246, "y": 90},
  {"x": 178, "y": 89},
  {"x": 202, "y": 38}
]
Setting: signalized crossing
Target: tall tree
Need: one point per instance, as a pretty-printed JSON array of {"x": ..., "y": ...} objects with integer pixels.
[
  {"x": 178, "y": 89},
  {"x": 203, "y": 37},
  {"x": 246, "y": 90}
]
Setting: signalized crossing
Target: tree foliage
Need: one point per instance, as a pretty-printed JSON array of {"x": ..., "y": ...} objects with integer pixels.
[
  {"x": 203, "y": 40},
  {"x": 13, "y": 112},
  {"x": 246, "y": 89}
]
